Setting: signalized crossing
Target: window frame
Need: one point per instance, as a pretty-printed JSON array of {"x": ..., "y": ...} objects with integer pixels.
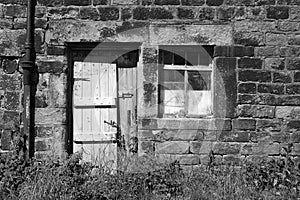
[{"x": 186, "y": 68}]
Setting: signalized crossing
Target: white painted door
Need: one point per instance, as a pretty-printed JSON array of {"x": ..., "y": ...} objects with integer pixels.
[{"x": 95, "y": 101}]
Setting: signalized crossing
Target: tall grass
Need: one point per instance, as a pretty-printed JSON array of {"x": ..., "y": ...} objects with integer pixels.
[{"x": 146, "y": 178}]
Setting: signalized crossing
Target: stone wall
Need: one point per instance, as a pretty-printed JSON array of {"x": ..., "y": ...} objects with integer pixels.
[{"x": 256, "y": 56}]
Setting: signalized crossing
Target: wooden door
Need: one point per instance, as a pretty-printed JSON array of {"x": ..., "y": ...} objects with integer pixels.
[
  {"x": 95, "y": 101},
  {"x": 127, "y": 81}
]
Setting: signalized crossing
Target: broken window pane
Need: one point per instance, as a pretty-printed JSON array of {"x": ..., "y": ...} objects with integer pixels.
[{"x": 199, "y": 80}]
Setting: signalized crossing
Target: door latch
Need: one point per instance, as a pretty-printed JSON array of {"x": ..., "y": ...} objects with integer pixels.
[{"x": 126, "y": 95}]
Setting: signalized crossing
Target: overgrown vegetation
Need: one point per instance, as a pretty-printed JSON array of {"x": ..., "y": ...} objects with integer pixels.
[{"x": 146, "y": 178}]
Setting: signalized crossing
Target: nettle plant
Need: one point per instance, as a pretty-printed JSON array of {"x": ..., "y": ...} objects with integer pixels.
[{"x": 282, "y": 174}]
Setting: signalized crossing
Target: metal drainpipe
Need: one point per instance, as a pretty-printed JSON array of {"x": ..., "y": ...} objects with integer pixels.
[{"x": 30, "y": 80}]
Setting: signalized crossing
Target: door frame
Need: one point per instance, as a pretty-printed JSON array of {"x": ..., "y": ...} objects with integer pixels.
[{"x": 76, "y": 47}]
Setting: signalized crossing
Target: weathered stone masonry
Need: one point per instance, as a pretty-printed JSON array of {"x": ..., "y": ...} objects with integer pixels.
[{"x": 257, "y": 71}]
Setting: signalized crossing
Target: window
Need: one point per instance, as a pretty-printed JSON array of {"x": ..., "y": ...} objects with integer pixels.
[{"x": 185, "y": 83}]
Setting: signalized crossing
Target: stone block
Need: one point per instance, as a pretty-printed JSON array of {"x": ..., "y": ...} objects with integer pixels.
[
  {"x": 225, "y": 148},
  {"x": 248, "y": 149},
  {"x": 211, "y": 135},
  {"x": 276, "y": 39},
  {"x": 274, "y": 63},
  {"x": 41, "y": 99},
  {"x": 56, "y": 50},
  {"x": 122, "y": 2},
  {"x": 262, "y": 99},
  {"x": 233, "y": 51},
  {"x": 166, "y": 2},
  {"x": 126, "y": 13},
  {"x": 192, "y": 2},
  {"x": 264, "y": 2},
  {"x": 225, "y": 87},
  {"x": 250, "y": 63},
  {"x": 150, "y": 56},
  {"x": 12, "y": 101},
  {"x": 6, "y": 23},
  {"x": 9, "y": 65},
  {"x": 214, "y": 2},
  {"x": 145, "y": 147},
  {"x": 6, "y": 140},
  {"x": 294, "y": 40},
  {"x": 178, "y": 135},
  {"x": 297, "y": 77},
  {"x": 247, "y": 88},
  {"x": 288, "y": 2},
  {"x": 146, "y": 135},
  {"x": 293, "y": 100},
  {"x": 278, "y": 12},
  {"x": 267, "y": 51},
  {"x": 174, "y": 147},
  {"x": 234, "y": 136},
  {"x": 290, "y": 51},
  {"x": 288, "y": 26},
  {"x": 10, "y": 82},
  {"x": 282, "y": 77},
  {"x": 9, "y": 119},
  {"x": 293, "y": 89},
  {"x": 186, "y": 13},
  {"x": 50, "y": 66},
  {"x": 50, "y": 3},
  {"x": 254, "y": 26},
  {"x": 244, "y": 124},
  {"x": 89, "y": 13},
  {"x": 190, "y": 34},
  {"x": 77, "y": 2},
  {"x": 269, "y": 149},
  {"x": 232, "y": 159},
  {"x": 280, "y": 137},
  {"x": 187, "y": 159},
  {"x": 148, "y": 123},
  {"x": 57, "y": 91},
  {"x": 108, "y": 13},
  {"x": 254, "y": 75},
  {"x": 293, "y": 124},
  {"x": 50, "y": 116},
  {"x": 225, "y": 13},
  {"x": 140, "y": 13},
  {"x": 261, "y": 148},
  {"x": 201, "y": 147},
  {"x": 295, "y": 137},
  {"x": 63, "y": 12},
  {"x": 271, "y": 124},
  {"x": 240, "y": 13},
  {"x": 206, "y": 13},
  {"x": 40, "y": 11},
  {"x": 100, "y": 2},
  {"x": 20, "y": 2},
  {"x": 15, "y": 11},
  {"x": 239, "y": 2},
  {"x": 249, "y": 38},
  {"x": 257, "y": 111},
  {"x": 44, "y": 131},
  {"x": 296, "y": 149},
  {"x": 295, "y": 13},
  {"x": 293, "y": 63},
  {"x": 144, "y": 13},
  {"x": 270, "y": 88},
  {"x": 284, "y": 111},
  {"x": 42, "y": 145}
]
